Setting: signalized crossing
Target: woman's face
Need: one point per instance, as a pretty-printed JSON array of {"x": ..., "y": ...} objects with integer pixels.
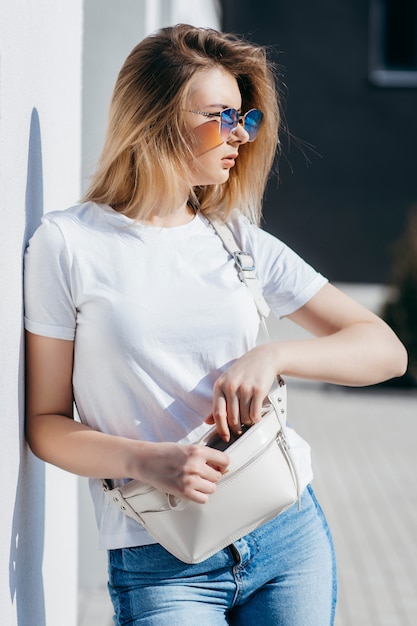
[{"x": 212, "y": 91}]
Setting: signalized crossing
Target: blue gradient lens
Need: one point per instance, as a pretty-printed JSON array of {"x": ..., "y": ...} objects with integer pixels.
[
  {"x": 229, "y": 120},
  {"x": 252, "y": 123}
]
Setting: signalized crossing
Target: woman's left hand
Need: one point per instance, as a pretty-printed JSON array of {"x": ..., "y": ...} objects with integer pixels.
[
  {"x": 350, "y": 346},
  {"x": 239, "y": 392}
]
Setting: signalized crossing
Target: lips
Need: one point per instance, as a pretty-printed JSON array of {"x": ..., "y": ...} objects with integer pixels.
[{"x": 229, "y": 160}]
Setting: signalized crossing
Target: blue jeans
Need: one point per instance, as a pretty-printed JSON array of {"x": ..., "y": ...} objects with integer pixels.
[{"x": 282, "y": 574}]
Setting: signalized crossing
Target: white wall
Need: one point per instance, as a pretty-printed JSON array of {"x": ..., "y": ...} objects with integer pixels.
[
  {"x": 42, "y": 113},
  {"x": 40, "y": 129},
  {"x": 111, "y": 29}
]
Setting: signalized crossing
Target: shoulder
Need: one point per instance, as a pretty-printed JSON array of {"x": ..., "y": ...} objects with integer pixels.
[
  {"x": 84, "y": 215},
  {"x": 255, "y": 240},
  {"x": 288, "y": 281},
  {"x": 60, "y": 228}
]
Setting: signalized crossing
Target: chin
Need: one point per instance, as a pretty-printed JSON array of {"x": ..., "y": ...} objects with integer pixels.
[{"x": 217, "y": 179}]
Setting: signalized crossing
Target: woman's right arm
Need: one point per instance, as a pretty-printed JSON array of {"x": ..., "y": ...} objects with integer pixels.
[{"x": 54, "y": 436}]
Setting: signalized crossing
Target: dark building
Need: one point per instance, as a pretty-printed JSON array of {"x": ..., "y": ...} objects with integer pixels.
[{"x": 348, "y": 168}]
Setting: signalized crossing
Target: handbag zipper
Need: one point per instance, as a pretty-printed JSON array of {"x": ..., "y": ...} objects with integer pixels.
[{"x": 285, "y": 447}]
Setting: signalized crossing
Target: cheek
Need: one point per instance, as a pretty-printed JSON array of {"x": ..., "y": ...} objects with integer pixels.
[{"x": 206, "y": 137}]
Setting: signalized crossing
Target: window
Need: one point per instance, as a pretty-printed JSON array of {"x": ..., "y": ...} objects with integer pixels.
[{"x": 393, "y": 43}]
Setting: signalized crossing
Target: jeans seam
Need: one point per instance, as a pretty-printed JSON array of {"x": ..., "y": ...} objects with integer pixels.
[
  {"x": 326, "y": 528},
  {"x": 238, "y": 582}
]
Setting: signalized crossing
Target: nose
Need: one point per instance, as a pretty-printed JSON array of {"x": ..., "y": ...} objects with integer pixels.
[{"x": 239, "y": 134}]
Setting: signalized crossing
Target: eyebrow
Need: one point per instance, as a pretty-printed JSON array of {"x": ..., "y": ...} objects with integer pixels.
[{"x": 220, "y": 106}]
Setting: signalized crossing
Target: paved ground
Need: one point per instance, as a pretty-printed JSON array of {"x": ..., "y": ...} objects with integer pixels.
[
  {"x": 363, "y": 444},
  {"x": 365, "y": 467}
]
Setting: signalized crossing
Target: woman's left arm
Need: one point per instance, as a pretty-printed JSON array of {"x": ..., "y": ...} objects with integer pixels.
[{"x": 351, "y": 346}]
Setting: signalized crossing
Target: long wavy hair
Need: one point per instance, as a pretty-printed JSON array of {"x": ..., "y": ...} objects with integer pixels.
[{"x": 146, "y": 154}]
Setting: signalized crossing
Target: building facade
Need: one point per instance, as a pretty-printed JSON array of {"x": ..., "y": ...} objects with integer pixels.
[{"x": 347, "y": 71}]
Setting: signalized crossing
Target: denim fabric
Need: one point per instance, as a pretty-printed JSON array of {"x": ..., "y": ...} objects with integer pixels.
[{"x": 282, "y": 574}]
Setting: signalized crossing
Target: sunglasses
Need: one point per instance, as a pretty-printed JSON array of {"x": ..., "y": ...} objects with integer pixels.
[{"x": 230, "y": 118}]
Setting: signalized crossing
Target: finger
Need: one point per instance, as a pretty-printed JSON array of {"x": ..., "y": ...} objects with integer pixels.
[
  {"x": 200, "y": 496},
  {"x": 245, "y": 400},
  {"x": 216, "y": 459},
  {"x": 197, "y": 488},
  {"x": 219, "y": 415},
  {"x": 255, "y": 409},
  {"x": 211, "y": 474},
  {"x": 202, "y": 491},
  {"x": 233, "y": 413},
  {"x": 200, "y": 485}
]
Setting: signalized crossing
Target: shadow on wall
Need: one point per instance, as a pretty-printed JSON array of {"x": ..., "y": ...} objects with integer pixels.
[{"x": 27, "y": 542}]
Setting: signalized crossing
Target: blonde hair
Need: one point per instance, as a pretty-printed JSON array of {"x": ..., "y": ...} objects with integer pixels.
[{"x": 145, "y": 158}]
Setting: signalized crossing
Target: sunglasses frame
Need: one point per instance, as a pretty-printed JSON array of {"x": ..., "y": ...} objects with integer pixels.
[{"x": 231, "y": 127}]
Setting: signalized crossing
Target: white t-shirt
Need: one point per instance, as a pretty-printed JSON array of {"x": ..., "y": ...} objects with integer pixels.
[{"x": 156, "y": 314}]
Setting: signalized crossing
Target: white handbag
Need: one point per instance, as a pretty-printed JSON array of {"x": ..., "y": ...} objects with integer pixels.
[{"x": 260, "y": 483}]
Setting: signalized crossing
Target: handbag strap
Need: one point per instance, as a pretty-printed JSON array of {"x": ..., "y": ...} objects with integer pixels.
[
  {"x": 245, "y": 266},
  {"x": 247, "y": 273}
]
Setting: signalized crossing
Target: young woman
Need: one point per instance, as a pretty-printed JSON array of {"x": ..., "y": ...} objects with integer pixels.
[{"x": 134, "y": 310}]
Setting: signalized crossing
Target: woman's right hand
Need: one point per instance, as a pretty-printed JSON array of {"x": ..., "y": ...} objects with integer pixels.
[{"x": 185, "y": 471}]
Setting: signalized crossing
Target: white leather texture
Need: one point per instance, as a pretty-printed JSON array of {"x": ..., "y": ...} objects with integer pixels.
[{"x": 261, "y": 482}]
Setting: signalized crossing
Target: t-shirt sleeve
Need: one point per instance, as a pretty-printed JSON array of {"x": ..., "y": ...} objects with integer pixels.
[
  {"x": 288, "y": 282},
  {"x": 49, "y": 307}
]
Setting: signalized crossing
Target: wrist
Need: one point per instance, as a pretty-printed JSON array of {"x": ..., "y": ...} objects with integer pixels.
[
  {"x": 136, "y": 457},
  {"x": 273, "y": 355}
]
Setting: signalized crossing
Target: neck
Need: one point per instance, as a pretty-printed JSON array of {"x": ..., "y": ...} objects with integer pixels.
[{"x": 178, "y": 217}]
